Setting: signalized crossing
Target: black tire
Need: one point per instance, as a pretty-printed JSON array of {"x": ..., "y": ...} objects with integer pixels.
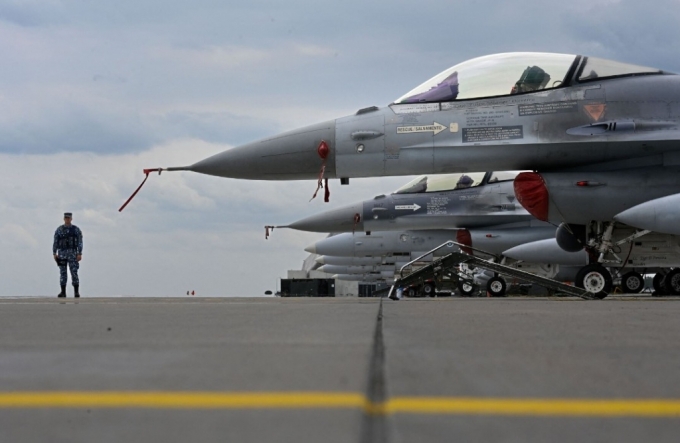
[
  {"x": 496, "y": 286},
  {"x": 595, "y": 279},
  {"x": 429, "y": 290},
  {"x": 658, "y": 284},
  {"x": 632, "y": 283},
  {"x": 466, "y": 288},
  {"x": 672, "y": 282}
]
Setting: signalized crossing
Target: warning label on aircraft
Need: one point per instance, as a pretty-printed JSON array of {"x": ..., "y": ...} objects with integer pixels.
[
  {"x": 595, "y": 110},
  {"x": 492, "y": 133},
  {"x": 438, "y": 206},
  {"x": 435, "y": 128},
  {"x": 548, "y": 108},
  {"x": 413, "y": 207},
  {"x": 415, "y": 108}
]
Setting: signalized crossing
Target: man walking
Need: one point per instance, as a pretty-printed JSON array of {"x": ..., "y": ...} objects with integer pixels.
[{"x": 68, "y": 250}]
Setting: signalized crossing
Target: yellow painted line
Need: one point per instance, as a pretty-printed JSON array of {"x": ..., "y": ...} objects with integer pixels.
[
  {"x": 334, "y": 400},
  {"x": 533, "y": 407},
  {"x": 184, "y": 400}
]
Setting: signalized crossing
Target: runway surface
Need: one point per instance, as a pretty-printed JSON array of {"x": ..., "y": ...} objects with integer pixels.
[{"x": 339, "y": 370}]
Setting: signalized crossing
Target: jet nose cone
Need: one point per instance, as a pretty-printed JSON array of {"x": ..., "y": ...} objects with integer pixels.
[
  {"x": 341, "y": 245},
  {"x": 294, "y": 155},
  {"x": 346, "y": 219},
  {"x": 311, "y": 248},
  {"x": 321, "y": 260}
]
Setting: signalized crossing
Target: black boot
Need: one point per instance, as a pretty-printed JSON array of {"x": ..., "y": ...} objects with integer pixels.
[
  {"x": 63, "y": 291},
  {"x": 76, "y": 294}
]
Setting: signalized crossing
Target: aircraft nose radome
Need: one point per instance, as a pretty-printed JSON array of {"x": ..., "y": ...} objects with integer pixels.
[
  {"x": 311, "y": 248},
  {"x": 341, "y": 245},
  {"x": 321, "y": 260},
  {"x": 292, "y": 155},
  {"x": 346, "y": 219}
]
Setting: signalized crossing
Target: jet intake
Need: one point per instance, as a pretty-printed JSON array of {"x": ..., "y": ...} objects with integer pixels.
[
  {"x": 532, "y": 193},
  {"x": 464, "y": 237},
  {"x": 582, "y": 197}
]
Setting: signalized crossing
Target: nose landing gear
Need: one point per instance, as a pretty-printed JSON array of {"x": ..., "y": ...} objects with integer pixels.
[{"x": 595, "y": 279}]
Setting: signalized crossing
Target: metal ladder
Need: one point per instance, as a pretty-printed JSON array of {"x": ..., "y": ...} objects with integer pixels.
[{"x": 454, "y": 259}]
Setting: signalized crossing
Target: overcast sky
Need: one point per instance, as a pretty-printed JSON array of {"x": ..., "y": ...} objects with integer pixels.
[{"x": 92, "y": 92}]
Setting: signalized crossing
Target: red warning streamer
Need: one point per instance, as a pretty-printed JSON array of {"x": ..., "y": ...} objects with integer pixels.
[
  {"x": 319, "y": 183},
  {"x": 323, "y": 150},
  {"x": 146, "y": 172}
]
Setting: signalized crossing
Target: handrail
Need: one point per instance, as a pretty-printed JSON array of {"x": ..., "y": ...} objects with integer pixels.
[{"x": 450, "y": 244}]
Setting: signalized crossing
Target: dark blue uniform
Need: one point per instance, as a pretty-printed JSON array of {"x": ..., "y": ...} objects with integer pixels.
[{"x": 68, "y": 245}]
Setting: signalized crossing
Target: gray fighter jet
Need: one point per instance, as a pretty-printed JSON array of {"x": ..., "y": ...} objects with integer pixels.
[
  {"x": 591, "y": 129},
  {"x": 472, "y": 202},
  {"x": 513, "y": 111},
  {"x": 428, "y": 202},
  {"x": 415, "y": 243}
]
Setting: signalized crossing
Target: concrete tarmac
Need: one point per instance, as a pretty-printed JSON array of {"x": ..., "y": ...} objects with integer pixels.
[{"x": 339, "y": 370}]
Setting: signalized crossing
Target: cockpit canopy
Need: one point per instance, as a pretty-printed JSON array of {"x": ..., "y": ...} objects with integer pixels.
[
  {"x": 515, "y": 73},
  {"x": 450, "y": 182}
]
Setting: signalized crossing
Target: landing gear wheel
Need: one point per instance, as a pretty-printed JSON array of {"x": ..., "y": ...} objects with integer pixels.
[
  {"x": 429, "y": 290},
  {"x": 632, "y": 283},
  {"x": 672, "y": 282},
  {"x": 411, "y": 292},
  {"x": 496, "y": 286},
  {"x": 658, "y": 284},
  {"x": 595, "y": 279},
  {"x": 466, "y": 288}
]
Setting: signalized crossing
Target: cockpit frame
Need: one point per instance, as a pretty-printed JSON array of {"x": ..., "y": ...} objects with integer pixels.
[{"x": 571, "y": 78}]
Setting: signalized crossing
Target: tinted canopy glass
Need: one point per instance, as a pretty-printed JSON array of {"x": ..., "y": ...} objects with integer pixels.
[
  {"x": 596, "y": 68},
  {"x": 438, "y": 183},
  {"x": 494, "y": 75},
  {"x": 501, "y": 176}
]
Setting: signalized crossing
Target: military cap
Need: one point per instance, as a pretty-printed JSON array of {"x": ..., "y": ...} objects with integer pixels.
[{"x": 68, "y": 214}]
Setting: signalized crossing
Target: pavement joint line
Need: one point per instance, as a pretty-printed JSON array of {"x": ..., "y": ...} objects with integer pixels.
[
  {"x": 542, "y": 407},
  {"x": 374, "y": 427}
]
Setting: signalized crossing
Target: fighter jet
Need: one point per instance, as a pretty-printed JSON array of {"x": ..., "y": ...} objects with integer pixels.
[
  {"x": 489, "y": 243},
  {"x": 596, "y": 128},
  {"x": 445, "y": 201},
  {"x": 512, "y": 111},
  {"x": 472, "y": 202},
  {"x": 416, "y": 243}
]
